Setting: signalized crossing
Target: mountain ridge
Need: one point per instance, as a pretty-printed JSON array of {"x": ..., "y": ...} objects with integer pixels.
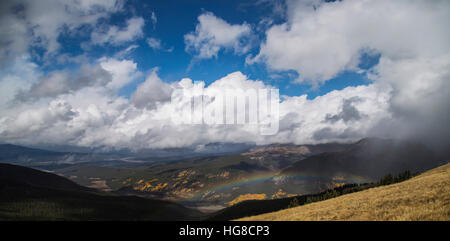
[{"x": 369, "y": 157}]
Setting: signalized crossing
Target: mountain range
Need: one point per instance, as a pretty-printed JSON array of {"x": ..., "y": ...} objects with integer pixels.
[
  {"x": 370, "y": 157},
  {"x": 214, "y": 183}
]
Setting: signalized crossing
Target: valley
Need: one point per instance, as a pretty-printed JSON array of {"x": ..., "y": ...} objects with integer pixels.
[
  {"x": 211, "y": 183},
  {"x": 276, "y": 171}
]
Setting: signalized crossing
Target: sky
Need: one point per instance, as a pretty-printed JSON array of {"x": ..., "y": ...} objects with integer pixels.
[{"x": 90, "y": 73}]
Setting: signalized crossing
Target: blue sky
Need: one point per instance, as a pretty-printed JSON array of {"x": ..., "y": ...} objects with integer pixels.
[
  {"x": 174, "y": 19},
  {"x": 101, "y": 73}
]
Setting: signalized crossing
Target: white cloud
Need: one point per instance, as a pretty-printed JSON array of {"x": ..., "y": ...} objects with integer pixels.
[
  {"x": 321, "y": 43},
  {"x": 302, "y": 120},
  {"x": 213, "y": 34},
  {"x": 93, "y": 116},
  {"x": 20, "y": 75},
  {"x": 39, "y": 23},
  {"x": 126, "y": 51},
  {"x": 122, "y": 71},
  {"x": 154, "y": 20},
  {"x": 117, "y": 36},
  {"x": 154, "y": 43},
  {"x": 152, "y": 91},
  {"x": 322, "y": 39},
  {"x": 409, "y": 95}
]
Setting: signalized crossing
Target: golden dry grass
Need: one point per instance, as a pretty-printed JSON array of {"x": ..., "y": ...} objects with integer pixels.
[
  {"x": 249, "y": 196},
  {"x": 425, "y": 197}
]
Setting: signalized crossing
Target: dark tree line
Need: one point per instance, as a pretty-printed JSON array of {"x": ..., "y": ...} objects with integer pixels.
[
  {"x": 350, "y": 188},
  {"x": 389, "y": 179}
]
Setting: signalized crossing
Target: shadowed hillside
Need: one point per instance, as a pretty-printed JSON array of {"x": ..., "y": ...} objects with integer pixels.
[
  {"x": 425, "y": 197},
  {"x": 29, "y": 176},
  {"x": 27, "y": 194},
  {"x": 369, "y": 157}
]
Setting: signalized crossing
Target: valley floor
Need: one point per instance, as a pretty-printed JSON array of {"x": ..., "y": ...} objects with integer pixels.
[{"x": 425, "y": 197}]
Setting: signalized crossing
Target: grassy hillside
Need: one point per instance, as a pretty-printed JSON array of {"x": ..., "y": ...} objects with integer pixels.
[
  {"x": 425, "y": 197},
  {"x": 27, "y": 194}
]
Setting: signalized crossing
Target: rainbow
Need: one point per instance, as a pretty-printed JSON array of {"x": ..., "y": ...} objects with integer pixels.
[{"x": 260, "y": 178}]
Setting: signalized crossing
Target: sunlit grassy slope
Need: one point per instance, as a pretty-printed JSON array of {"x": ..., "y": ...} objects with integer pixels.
[{"x": 425, "y": 197}]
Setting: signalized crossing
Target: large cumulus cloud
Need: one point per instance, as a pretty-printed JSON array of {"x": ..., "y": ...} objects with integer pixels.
[
  {"x": 94, "y": 116},
  {"x": 321, "y": 39},
  {"x": 408, "y": 97}
]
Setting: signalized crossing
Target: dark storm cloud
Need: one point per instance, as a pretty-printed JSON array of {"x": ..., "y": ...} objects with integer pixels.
[
  {"x": 62, "y": 82},
  {"x": 348, "y": 112}
]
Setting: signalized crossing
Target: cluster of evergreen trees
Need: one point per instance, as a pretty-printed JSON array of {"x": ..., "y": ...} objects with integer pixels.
[
  {"x": 389, "y": 179},
  {"x": 350, "y": 188}
]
